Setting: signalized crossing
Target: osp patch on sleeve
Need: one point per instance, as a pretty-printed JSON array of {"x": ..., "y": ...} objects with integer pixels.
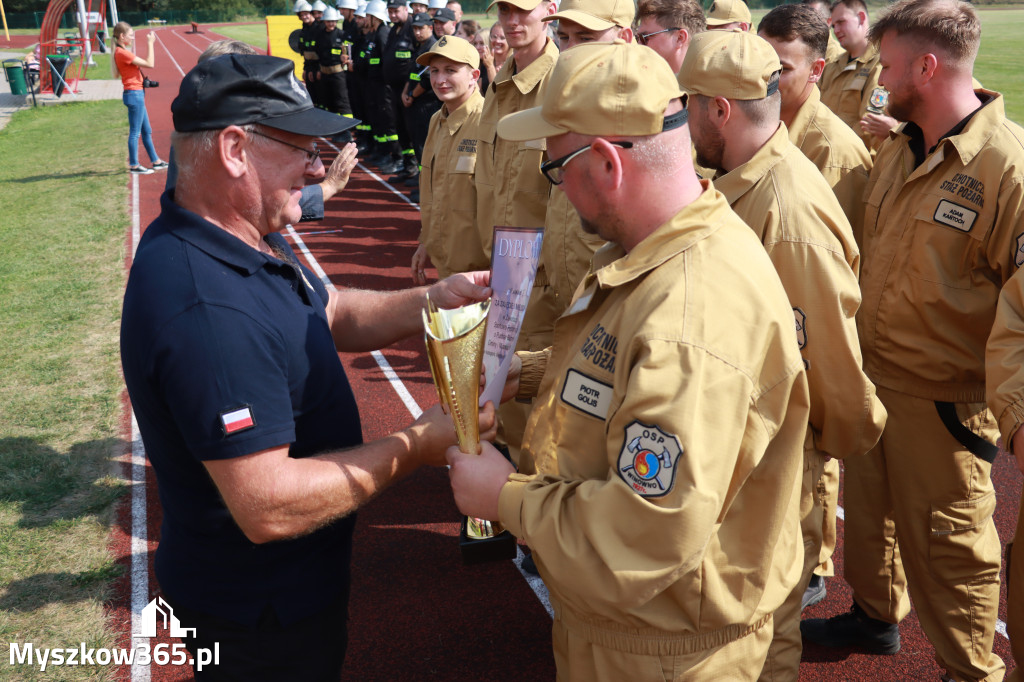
[
  {"x": 648, "y": 459},
  {"x": 236, "y": 420}
]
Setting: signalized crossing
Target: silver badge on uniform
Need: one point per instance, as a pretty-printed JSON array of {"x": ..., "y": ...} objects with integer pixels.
[
  {"x": 879, "y": 98},
  {"x": 649, "y": 459}
]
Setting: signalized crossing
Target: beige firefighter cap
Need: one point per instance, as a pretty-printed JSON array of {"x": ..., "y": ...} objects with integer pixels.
[
  {"x": 730, "y": 64},
  {"x": 614, "y": 89},
  {"x": 526, "y": 5},
  {"x": 728, "y": 11},
  {"x": 596, "y": 15},
  {"x": 455, "y": 49}
]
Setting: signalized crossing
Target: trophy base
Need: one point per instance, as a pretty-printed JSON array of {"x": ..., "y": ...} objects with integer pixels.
[{"x": 477, "y": 550}]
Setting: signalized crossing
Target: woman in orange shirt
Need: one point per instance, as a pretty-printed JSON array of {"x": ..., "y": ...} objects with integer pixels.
[{"x": 129, "y": 66}]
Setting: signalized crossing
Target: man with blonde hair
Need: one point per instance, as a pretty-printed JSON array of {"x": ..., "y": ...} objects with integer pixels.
[
  {"x": 671, "y": 409},
  {"x": 943, "y": 231}
]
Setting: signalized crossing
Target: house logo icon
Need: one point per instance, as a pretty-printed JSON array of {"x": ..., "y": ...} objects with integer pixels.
[{"x": 166, "y": 614}]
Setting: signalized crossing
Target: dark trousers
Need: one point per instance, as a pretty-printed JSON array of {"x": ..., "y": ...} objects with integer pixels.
[
  {"x": 382, "y": 117},
  {"x": 398, "y": 112},
  {"x": 417, "y": 120},
  {"x": 334, "y": 91},
  {"x": 312, "y": 649},
  {"x": 313, "y": 86}
]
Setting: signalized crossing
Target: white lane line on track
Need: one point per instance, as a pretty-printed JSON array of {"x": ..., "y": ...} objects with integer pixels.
[
  {"x": 139, "y": 544},
  {"x": 382, "y": 362},
  {"x": 169, "y": 55},
  {"x": 186, "y": 41}
]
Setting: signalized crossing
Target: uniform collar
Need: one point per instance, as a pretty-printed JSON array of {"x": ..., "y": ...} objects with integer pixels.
[
  {"x": 214, "y": 240},
  {"x": 453, "y": 121},
  {"x": 869, "y": 54},
  {"x": 527, "y": 79},
  {"x": 968, "y": 137},
  {"x": 802, "y": 121},
  {"x": 614, "y": 267},
  {"x": 741, "y": 179}
]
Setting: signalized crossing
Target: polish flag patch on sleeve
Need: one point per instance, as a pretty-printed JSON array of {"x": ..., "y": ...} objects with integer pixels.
[{"x": 236, "y": 420}]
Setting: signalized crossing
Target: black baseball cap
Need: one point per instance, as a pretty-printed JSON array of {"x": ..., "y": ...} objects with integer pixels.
[
  {"x": 392, "y": 4},
  {"x": 444, "y": 14},
  {"x": 239, "y": 89},
  {"x": 422, "y": 19}
]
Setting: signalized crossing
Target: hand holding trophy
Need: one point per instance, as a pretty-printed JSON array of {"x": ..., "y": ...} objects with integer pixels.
[{"x": 455, "y": 348}]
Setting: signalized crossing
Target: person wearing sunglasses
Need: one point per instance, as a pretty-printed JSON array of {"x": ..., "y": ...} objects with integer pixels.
[
  {"x": 735, "y": 105},
  {"x": 668, "y": 26},
  {"x": 660, "y": 506}
]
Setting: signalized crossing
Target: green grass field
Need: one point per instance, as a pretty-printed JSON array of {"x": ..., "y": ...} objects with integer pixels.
[
  {"x": 61, "y": 277},
  {"x": 64, "y": 209}
]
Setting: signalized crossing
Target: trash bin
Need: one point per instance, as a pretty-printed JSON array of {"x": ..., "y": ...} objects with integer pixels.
[
  {"x": 15, "y": 71},
  {"x": 58, "y": 67}
]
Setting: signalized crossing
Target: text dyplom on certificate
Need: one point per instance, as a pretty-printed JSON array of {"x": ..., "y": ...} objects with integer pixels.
[{"x": 514, "y": 259}]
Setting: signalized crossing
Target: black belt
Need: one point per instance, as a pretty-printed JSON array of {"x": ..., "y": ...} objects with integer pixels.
[{"x": 977, "y": 445}]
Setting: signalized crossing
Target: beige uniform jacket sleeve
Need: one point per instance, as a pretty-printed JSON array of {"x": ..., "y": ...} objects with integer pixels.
[
  {"x": 1005, "y": 359},
  {"x": 846, "y": 416},
  {"x": 803, "y": 228},
  {"x": 636, "y": 547}
]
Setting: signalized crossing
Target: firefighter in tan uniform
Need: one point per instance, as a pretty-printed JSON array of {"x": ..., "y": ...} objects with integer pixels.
[
  {"x": 849, "y": 83},
  {"x": 942, "y": 232},
  {"x": 1004, "y": 377},
  {"x": 510, "y": 190},
  {"x": 734, "y": 118},
  {"x": 449, "y": 237},
  {"x": 667, "y": 438},
  {"x": 798, "y": 34},
  {"x": 568, "y": 248}
]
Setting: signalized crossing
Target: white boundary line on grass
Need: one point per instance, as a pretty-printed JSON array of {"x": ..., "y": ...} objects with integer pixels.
[{"x": 140, "y": 541}]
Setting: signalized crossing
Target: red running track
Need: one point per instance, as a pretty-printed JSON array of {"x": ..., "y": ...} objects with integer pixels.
[{"x": 417, "y": 613}]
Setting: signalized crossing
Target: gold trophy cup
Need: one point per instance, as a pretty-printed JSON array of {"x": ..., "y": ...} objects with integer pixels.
[{"x": 455, "y": 348}]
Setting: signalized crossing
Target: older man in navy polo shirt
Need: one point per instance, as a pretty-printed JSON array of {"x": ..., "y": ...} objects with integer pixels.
[{"x": 229, "y": 347}]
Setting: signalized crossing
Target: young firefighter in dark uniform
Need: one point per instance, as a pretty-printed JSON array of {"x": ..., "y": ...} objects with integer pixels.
[
  {"x": 352, "y": 30},
  {"x": 418, "y": 99},
  {"x": 387, "y": 156},
  {"x": 397, "y": 62},
  {"x": 311, "y": 64},
  {"x": 333, "y": 51},
  {"x": 359, "y": 96}
]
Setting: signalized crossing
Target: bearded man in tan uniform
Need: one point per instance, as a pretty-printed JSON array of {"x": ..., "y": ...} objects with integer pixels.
[
  {"x": 667, "y": 434},
  {"x": 734, "y": 118},
  {"x": 942, "y": 233}
]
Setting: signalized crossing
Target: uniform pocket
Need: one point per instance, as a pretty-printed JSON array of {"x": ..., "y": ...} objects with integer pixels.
[
  {"x": 947, "y": 241},
  {"x": 959, "y": 542}
]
